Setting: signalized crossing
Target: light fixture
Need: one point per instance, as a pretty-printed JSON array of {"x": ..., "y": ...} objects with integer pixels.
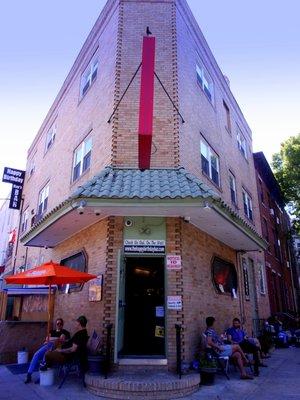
[
  {"x": 80, "y": 208},
  {"x": 207, "y": 206}
]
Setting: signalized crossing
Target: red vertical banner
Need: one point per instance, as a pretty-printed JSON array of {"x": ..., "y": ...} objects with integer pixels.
[{"x": 146, "y": 102}]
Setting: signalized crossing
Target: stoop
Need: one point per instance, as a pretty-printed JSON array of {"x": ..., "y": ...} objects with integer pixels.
[{"x": 143, "y": 385}]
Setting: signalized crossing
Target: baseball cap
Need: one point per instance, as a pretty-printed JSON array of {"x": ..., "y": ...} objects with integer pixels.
[{"x": 82, "y": 320}]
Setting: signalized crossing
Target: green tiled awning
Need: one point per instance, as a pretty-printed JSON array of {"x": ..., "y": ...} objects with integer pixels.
[{"x": 148, "y": 184}]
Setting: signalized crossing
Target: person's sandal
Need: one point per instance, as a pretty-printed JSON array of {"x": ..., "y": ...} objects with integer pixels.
[{"x": 247, "y": 377}]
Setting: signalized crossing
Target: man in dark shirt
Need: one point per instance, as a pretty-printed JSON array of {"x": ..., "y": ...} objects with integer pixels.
[
  {"x": 57, "y": 335},
  {"x": 76, "y": 346}
]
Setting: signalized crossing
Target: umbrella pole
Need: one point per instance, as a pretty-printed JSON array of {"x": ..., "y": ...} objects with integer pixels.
[{"x": 49, "y": 313}]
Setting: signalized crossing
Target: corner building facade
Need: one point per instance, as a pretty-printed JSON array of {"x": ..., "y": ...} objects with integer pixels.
[{"x": 95, "y": 210}]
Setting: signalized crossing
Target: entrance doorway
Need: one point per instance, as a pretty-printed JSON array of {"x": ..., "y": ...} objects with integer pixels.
[{"x": 144, "y": 311}]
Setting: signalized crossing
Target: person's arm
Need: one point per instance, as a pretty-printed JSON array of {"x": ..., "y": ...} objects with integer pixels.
[
  {"x": 69, "y": 349},
  {"x": 210, "y": 343},
  {"x": 229, "y": 337}
]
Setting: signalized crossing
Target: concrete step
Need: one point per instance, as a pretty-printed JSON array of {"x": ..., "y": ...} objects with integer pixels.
[{"x": 137, "y": 385}]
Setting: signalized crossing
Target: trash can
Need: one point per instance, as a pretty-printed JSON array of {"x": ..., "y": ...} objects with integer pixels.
[
  {"x": 22, "y": 356},
  {"x": 47, "y": 377}
]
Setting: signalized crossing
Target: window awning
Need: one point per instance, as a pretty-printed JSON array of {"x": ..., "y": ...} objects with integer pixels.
[{"x": 154, "y": 192}]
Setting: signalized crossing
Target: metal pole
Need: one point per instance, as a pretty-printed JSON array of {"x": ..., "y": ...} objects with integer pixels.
[
  {"x": 18, "y": 235},
  {"x": 108, "y": 350},
  {"x": 178, "y": 349}
]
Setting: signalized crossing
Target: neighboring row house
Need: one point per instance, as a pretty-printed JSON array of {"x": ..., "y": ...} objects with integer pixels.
[
  {"x": 90, "y": 205},
  {"x": 276, "y": 230}
]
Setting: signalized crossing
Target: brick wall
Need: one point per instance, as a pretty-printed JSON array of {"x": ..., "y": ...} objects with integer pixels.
[{"x": 69, "y": 306}]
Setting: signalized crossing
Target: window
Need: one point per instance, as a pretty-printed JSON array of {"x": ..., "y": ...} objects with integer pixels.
[
  {"x": 82, "y": 158},
  {"x": 227, "y": 117},
  {"x": 25, "y": 218},
  {"x": 210, "y": 163},
  {"x": 31, "y": 167},
  {"x": 261, "y": 278},
  {"x": 276, "y": 244},
  {"x": 89, "y": 76},
  {"x": 50, "y": 137},
  {"x": 241, "y": 141},
  {"x": 246, "y": 279},
  {"x": 205, "y": 81},
  {"x": 43, "y": 200},
  {"x": 78, "y": 262},
  {"x": 232, "y": 186},
  {"x": 224, "y": 276},
  {"x": 265, "y": 230},
  {"x": 261, "y": 190},
  {"x": 247, "y": 205}
]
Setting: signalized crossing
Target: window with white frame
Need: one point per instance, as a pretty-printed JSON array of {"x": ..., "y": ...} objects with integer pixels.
[
  {"x": 24, "y": 222},
  {"x": 248, "y": 210},
  {"x": 43, "y": 200},
  {"x": 241, "y": 141},
  {"x": 82, "y": 158},
  {"x": 31, "y": 167},
  {"x": 261, "y": 278},
  {"x": 205, "y": 81},
  {"x": 89, "y": 76},
  {"x": 210, "y": 162},
  {"x": 232, "y": 185},
  {"x": 50, "y": 137}
]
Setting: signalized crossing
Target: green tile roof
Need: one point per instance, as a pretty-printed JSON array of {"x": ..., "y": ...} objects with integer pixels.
[{"x": 148, "y": 184}]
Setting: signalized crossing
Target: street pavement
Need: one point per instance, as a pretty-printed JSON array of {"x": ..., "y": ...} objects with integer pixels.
[{"x": 281, "y": 380}]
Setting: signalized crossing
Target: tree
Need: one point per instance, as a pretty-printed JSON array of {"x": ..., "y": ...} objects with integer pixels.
[{"x": 286, "y": 168}]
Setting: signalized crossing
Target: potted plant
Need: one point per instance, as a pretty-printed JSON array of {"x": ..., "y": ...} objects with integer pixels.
[{"x": 208, "y": 369}]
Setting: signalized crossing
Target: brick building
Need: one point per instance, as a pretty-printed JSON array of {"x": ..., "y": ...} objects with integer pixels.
[
  {"x": 276, "y": 230},
  {"x": 89, "y": 205}
]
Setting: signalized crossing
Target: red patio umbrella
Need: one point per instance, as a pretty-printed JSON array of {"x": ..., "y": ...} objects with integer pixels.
[{"x": 50, "y": 274}]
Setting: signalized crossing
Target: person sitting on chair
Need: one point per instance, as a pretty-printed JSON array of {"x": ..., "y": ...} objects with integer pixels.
[
  {"x": 225, "y": 350},
  {"x": 75, "y": 347},
  {"x": 56, "y": 335},
  {"x": 237, "y": 335}
]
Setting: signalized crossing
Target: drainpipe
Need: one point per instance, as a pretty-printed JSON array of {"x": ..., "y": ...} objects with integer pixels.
[{"x": 241, "y": 296}]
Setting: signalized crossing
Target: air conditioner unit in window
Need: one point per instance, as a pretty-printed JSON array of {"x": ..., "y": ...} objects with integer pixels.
[
  {"x": 277, "y": 220},
  {"x": 271, "y": 211},
  {"x": 288, "y": 264}
]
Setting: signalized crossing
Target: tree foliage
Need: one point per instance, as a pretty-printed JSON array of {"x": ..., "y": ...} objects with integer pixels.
[{"x": 286, "y": 168}]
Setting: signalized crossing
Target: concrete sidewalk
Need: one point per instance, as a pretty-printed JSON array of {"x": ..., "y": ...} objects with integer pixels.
[{"x": 281, "y": 380}]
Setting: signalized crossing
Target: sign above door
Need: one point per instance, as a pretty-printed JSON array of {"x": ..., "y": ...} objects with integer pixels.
[{"x": 145, "y": 246}]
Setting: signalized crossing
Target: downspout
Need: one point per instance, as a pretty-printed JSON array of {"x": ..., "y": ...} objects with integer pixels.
[{"x": 241, "y": 296}]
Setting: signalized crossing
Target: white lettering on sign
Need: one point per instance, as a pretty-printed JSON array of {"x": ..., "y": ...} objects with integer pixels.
[
  {"x": 142, "y": 242},
  {"x": 174, "y": 303},
  {"x": 173, "y": 262}
]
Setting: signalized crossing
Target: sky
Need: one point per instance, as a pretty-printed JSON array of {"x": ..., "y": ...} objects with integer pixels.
[{"x": 256, "y": 44}]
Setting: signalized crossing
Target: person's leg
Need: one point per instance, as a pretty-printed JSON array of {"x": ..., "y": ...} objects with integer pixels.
[
  {"x": 37, "y": 357},
  {"x": 237, "y": 349},
  {"x": 250, "y": 348},
  {"x": 237, "y": 358},
  {"x": 55, "y": 357}
]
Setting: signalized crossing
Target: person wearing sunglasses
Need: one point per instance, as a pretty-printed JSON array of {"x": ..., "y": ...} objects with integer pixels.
[{"x": 55, "y": 338}]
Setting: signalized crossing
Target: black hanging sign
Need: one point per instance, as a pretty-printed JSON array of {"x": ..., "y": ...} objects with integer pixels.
[{"x": 16, "y": 177}]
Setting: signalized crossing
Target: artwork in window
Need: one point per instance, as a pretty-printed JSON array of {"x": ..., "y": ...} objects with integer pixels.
[
  {"x": 78, "y": 262},
  {"x": 224, "y": 276}
]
